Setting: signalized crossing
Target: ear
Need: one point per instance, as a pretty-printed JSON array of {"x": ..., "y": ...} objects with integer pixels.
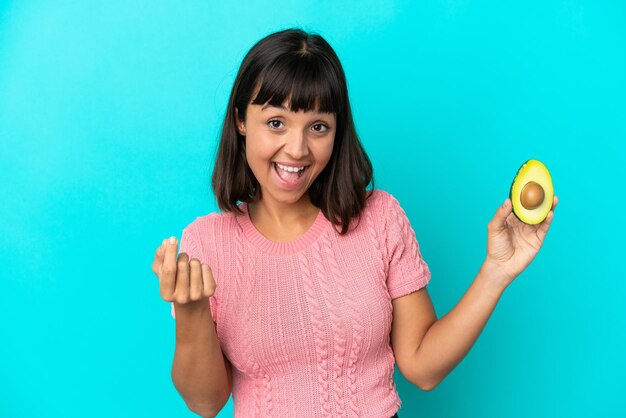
[{"x": 241, "y": 127}]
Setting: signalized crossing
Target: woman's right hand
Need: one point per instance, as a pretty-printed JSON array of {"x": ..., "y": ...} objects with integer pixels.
[{"x": 184, "y": 282}]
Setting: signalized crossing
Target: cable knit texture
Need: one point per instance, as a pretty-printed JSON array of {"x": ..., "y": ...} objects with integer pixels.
[{"x": 306, "y": 323}]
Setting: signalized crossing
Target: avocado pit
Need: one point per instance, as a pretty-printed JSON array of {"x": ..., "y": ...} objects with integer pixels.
[{"x": 532, "y": 195}]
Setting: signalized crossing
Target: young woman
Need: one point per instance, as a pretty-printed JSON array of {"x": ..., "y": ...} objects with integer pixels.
[{"x": 301, "y": 295}]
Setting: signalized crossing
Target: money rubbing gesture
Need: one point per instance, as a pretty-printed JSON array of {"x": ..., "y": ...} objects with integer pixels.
[{"x": 182, "y": 281}]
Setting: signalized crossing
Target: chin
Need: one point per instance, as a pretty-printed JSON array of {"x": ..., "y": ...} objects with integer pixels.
[
  {"x": 289, "y": 197},
  {"x": 292, "y": 197}
]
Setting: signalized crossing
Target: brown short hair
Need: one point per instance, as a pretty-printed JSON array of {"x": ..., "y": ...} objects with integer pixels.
[{"x": 304, "y": 68}]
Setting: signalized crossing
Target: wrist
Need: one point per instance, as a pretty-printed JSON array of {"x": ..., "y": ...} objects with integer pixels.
[
  {"x": 195, "y": 308},
  {"x": 493, "y": 278}
]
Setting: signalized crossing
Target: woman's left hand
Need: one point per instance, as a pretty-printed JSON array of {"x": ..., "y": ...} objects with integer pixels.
[{"x": 512, "y": 244}]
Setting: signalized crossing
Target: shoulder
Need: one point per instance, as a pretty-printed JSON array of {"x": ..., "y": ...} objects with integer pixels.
[
  {"x": 378, "y": 202},
  {"x": 378, "y": 209},
  {"x": 210, "y": 227},
  {"x": 386, "y": 213},
  {"x": 204, "y": 223},
  {"x": 209, "y": 234}
]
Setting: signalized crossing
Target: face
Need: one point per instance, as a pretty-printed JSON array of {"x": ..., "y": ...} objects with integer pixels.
[{"x": 298, "y": 139}]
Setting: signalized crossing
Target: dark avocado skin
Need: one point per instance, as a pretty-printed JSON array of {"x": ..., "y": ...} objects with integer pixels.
[{"x": 511, "y": 188}]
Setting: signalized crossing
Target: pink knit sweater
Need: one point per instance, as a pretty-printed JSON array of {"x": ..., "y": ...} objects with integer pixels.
[{"x": 306, "y": 323}]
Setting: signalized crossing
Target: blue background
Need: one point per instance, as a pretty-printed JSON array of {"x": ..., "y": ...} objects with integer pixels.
[{"x": 109, "y": 118}]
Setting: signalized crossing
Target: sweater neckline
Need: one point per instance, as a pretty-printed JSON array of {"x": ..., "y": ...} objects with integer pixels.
[{"x": 280, "y": 248}]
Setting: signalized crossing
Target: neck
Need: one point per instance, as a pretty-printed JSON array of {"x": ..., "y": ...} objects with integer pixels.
[{"x": 281, "y": 214}]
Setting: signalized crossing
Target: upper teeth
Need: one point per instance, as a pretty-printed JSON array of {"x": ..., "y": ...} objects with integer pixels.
[{"x": 287, "y": 168}]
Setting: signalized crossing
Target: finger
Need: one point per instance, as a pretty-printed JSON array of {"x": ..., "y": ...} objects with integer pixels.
[
  {"x": 196, "y": 285},
  {"x": 168, "y": 269},
  {"x": 208, "y": 281},
  {"x": 498, "y": 223},
  {"x": 181, "y": 294},
  {"x": 555, "y": 201},
  {"x": 158, "y": 259},
  {"x": 545, "y": 225}
]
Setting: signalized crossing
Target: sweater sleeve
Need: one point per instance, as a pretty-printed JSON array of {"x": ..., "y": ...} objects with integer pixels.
[
  {"x": 407, "y": 270},
  {"x": 188, "y": 244}
]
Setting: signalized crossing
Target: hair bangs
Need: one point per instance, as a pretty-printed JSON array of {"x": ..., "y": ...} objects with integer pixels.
[{"x": 305, "y": 80}]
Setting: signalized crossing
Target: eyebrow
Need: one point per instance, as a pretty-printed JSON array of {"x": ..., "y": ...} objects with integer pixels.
[{"x": 277, "y": 107}]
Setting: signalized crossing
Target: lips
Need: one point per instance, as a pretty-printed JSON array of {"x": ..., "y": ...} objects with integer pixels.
[
  {"x": 288, "y": 184},
  {"x": 292, "y": 164}
]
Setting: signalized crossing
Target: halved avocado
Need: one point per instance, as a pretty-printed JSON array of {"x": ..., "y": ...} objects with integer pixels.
[{"x": 532, "y": 192}]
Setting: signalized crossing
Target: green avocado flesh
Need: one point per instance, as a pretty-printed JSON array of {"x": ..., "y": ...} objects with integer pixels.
[{"x": 532, "y": 192}]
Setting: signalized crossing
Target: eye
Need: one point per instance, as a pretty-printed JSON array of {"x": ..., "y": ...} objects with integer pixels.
[
  {"x": 322, "y": 126},
  {"x": 272, "y": 123}
]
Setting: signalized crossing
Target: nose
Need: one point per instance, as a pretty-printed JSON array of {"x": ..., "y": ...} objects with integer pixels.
[{"x": 297, "y": 146}]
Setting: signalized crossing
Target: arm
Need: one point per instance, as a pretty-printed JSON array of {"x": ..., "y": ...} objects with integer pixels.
[
  {"x": 450, "y": 338},
  {"x": 200, "y": 372},
  {"x": 427, "y": 348}
]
